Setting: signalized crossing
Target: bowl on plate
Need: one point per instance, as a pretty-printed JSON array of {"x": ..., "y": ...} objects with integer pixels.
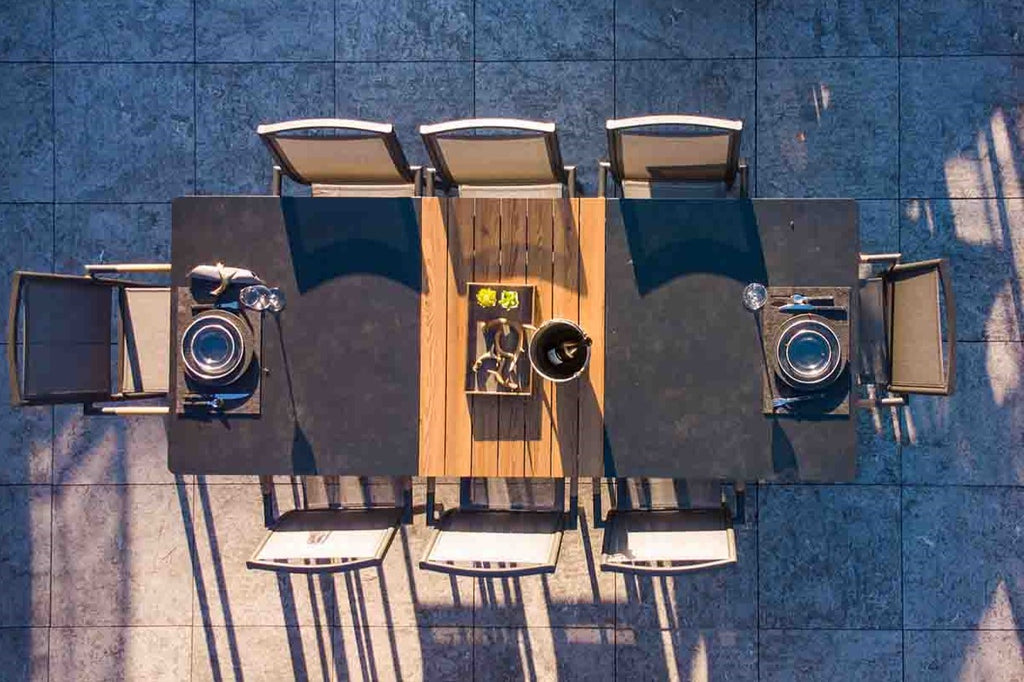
[
  {"x": 808, "y": 353},
  {"x": 215, "y": 348}
]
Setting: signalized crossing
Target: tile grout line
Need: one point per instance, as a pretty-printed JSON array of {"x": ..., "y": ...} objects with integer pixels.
[
  {"x": 474, "y": 585},
  {"x": 195, "y": 108},
  {"x": 53, "y": 264},
  {"x": 714, "y": 58},
  {"x": 195, "y": 188},
  {"x": 899, "y": 245},
  {"x": 752, "y": 191}
]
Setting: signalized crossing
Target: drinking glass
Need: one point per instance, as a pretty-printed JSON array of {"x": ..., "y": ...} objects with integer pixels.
[
  {"x": 754, "y": 296},
  {"x": 255, "y": 297},
  {"x": 275, "y": 300}
]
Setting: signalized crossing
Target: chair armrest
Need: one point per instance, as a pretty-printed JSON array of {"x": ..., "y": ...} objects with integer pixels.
[
  {"x": 105, "y": 268},
  {"x": 887, "y": 401},
  {"x": 880, "y": 258},
  {"x": 126, "y": 411},
  {"x": 12, "y": 341}
]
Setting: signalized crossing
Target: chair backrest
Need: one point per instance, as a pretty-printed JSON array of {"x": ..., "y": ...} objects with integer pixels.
[
  {"x": 341, "y": 157},
  {"x": 672, "y": 149},
  {"x": 497, "y": 157},
  {"x": 63, "y": 339},
  {"x": 921, "y": 353}
]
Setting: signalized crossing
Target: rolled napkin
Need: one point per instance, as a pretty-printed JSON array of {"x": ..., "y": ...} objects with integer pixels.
[{"x": 226, "y": 276}]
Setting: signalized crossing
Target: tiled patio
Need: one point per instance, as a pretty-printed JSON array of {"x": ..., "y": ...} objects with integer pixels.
[{"x": 114, "y": 569}]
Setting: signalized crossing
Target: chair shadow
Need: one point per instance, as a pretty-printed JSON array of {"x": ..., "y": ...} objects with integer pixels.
[
  {"x": 332, "y": 237},
  {"x": 670, "y": 239}
]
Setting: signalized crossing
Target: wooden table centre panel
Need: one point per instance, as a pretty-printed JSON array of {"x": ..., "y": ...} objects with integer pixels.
[{"x": 534, "y": 242}]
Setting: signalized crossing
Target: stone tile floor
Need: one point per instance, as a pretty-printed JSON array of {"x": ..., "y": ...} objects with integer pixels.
[{"x": 114, "y": 569}]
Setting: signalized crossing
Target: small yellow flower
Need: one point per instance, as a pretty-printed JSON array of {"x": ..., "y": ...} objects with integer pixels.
[
  {"x": 509, "y": 299},
  {"x": 486, "y": 297}
]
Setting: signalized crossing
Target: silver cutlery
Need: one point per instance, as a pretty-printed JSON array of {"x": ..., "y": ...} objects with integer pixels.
[
  {"x": 231, "y": 396},
  {"x": 211, "y": 404},
  {"x": 800, "y": 298},
  {"x": 808, "y": 308},
  {"x": 786, "y": 402}
]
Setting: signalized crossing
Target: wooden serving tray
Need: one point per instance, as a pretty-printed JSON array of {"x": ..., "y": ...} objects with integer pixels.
[{"x": 499, "y": 314}]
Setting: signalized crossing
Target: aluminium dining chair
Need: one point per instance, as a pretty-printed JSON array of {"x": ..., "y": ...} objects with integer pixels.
[
  {"x": 340, "y": 158},
  {"x": 59, "y": 339},
  {"x": 907, "y": 325},
  {"x": 499, "y": 158},
  {"x": 342, "y": 524},
  {"x": 516, "y": 536},
  {"x": 643, "y": 535},
  {"x": 673, "y": 155}
]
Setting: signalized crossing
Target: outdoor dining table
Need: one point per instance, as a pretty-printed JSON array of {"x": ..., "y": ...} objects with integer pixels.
[{"x": 364, "y": 371}]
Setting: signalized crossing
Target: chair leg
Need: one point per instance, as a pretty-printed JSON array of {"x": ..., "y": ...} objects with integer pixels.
[
  {"x": 407, "y": 500},
  {"x": 739, "y": 513},
  {"x": 429, "y": 510},
  {"x": 267, "y": 491},
  {"x": 744, "y": 190},
  {"x": 598, "y": 520},
  {"x": 574, "y": 502},
  {"x": 275, "y": 182}
]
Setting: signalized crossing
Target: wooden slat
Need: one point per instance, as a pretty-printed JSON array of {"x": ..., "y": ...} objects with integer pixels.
[
  {"x": 511, "y": 409},
  {"x": 565, "y": 304},
  {"x": 458, "y": 432},
  {"x": 592, "y": 263},
  {"x": 433, "y": 336},
  {"x": 486, "y": 268},
  {"x": 540, "y": 215}
]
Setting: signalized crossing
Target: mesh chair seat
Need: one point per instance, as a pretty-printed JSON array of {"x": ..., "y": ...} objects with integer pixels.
[
  {"x": 145, "y": 338},
  {"x": 466, "y": 542},
  {"x": 499, "y": 158},
  {"x": 647, "y": 152},
  {"x": 326, "y": 540},
  {"x": 667, "y": 541}
]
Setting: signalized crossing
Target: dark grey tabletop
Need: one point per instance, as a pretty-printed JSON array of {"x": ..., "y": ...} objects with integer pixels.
[
  {"x": 684, "y": 364},
  {"x": 341, "y": 392}
]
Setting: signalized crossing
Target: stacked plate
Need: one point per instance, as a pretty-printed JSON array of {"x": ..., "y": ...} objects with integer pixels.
[
  {"x": 809, "y": 354},
  {"x": 215, "y": 348}
]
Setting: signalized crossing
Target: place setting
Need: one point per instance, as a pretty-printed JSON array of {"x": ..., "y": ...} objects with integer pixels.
[
  {"x": 805, "y": 337},
  {"x": 220, "y": 318}
]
